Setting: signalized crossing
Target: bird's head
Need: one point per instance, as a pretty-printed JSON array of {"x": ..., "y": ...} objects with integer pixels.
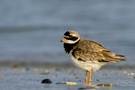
[{"x": 70, "y": 37}]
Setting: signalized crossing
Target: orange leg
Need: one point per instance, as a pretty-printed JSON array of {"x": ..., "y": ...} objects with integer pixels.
[
  {"x": 90, "y": 76},
  {"x": 87, "y": 77}
]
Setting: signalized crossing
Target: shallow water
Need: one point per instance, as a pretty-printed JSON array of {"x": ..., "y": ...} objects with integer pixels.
[{"x": 30, "y": 78}]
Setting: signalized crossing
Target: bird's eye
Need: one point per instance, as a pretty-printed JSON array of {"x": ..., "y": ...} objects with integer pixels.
[{"x": 71, "y": 38}]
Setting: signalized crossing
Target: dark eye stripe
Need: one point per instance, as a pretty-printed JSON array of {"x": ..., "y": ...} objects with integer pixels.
[{"x": 72, "y": 38}]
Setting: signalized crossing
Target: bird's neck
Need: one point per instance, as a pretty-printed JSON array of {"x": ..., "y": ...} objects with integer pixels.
[{"x": 69, "y": 47}]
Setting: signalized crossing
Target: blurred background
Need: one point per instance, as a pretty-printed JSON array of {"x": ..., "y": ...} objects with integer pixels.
[{"x": 31, "y": 30}]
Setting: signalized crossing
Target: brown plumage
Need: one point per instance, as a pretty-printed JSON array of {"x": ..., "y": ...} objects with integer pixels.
[
  {"x": 88, "y": 54},
  {"x": 87, "y": 49}
]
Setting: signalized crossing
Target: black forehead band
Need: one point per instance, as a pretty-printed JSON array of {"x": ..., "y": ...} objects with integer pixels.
[{"x": 67, "y": 33}]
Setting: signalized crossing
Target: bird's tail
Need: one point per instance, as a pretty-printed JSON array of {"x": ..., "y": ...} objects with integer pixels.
[
  {"x": 113, "y": 57},
  {"x": 120, "y": 57}
]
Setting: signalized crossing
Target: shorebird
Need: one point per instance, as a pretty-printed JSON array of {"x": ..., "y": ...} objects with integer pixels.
[{"x": 87, "y": 54}]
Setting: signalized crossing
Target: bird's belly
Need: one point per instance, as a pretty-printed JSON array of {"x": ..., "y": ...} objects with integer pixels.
[{"x": 86, "y": 65}]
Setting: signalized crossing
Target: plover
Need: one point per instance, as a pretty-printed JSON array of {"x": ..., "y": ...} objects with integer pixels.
[{"x": 87, "y": 54}]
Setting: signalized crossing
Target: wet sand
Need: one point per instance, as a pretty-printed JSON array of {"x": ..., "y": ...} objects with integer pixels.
[{"x": 29, "y": 77}]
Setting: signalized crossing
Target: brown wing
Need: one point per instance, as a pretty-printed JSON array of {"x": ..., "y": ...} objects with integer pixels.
[
  {"x": 112, "y": 57},
  {"x": 93, "y": 51},
  {"x": 88, "y": 56}
]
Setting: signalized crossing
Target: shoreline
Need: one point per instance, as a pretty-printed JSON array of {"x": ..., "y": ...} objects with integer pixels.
[{"x": 58, "y": 65}]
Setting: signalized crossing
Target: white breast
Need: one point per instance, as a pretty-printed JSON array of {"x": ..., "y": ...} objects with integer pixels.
[{"x": 95, "y": 65}]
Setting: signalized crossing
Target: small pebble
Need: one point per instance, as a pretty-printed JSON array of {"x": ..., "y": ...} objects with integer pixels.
[
  {"x": 71, "y": 83},
  {"x": 107, "y": 85},
  {"x": 46, "y": 81},
  {"x": 68, "y": 83}
]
